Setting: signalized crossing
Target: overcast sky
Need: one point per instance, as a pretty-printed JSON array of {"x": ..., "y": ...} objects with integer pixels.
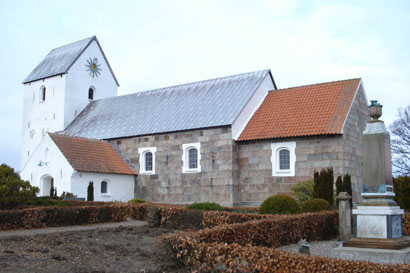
[{"x": 152, "y": 44}]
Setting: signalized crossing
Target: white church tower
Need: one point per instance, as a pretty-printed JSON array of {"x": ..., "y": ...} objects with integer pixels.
[{"x": 60, "y": 87}]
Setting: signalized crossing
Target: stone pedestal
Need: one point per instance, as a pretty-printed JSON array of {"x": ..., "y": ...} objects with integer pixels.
[{"x": 345, "y": 227}]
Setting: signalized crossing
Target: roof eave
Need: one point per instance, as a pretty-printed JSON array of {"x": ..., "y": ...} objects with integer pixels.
[{"x": 39, "y": 79}]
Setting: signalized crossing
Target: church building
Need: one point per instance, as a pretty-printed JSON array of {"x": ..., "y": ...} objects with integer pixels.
[{"x": 233, "y": 140}]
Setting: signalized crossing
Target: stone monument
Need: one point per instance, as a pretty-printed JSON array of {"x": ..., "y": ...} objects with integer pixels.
[{"x": 378, "y": 219}]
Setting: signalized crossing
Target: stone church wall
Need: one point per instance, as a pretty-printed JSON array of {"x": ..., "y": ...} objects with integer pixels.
[
  {"x": 353, "y": 142},
  {"x": 217, "y": 181},
  {"x": 257, "y": 182},
  {"x": 341, "y": 152},
  {"x": 241, "y": 173}
]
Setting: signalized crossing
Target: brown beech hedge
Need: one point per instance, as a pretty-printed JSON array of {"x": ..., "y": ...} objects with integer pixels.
[
  {"x": 250, "y": 247},
  {"x": 226, "y": 241},
  {"x": 61, "y": 216}
]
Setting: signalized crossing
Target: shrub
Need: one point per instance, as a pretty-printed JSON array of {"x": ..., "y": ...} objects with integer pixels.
[
  {"x": 323, "y": 187},
  {"x": 344, "y": 185},
  {"x": 13, "y": 190},
  {"x": 206, "y": 206},
  {"x": 90, "y": 191},
  {"x": 48, "y": 201},
  {"x": 303, "y": 191},
  {"x": 136, "y": 201},
  {"x": 401, "y": 186},
  {"x": 279, "y": 204},
  {"x": 67, "y": 195},
  {"x": 315, "y": 205}
]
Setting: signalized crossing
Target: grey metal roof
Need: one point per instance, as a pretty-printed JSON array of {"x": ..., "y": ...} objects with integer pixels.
[
  {"x": 215, "y": 102},
  {"x": 60, "y": 59}
]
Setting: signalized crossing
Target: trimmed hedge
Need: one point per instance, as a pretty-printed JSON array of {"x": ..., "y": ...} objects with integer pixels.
[
  {"x": 210, "y": 257},
  {"x": 61, "y": 216},
  {"x": 247, "y": 247},
  {"x": 237, "y": 241}
]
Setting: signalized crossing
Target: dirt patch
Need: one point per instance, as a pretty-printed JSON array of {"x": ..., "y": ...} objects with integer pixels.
[{"x": 120, "y": 249}]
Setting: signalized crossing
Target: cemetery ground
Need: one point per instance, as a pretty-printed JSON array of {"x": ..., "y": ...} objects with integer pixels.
[{"x": 129, "y": 246}]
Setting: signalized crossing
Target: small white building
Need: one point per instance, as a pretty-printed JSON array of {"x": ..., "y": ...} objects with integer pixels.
[{"x": 70, "y": 163}]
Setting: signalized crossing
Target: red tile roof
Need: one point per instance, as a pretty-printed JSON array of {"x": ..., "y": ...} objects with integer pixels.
[
  {"x": 317, "y": 109},
  {"x": 90, "y": 155}
]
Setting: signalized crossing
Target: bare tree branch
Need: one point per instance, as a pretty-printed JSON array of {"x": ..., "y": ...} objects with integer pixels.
[{"x": 400, "y": 143}]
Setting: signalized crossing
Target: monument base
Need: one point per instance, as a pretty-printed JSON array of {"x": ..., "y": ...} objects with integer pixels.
[
  {"x": 384, "y": 256},
  {"x": 393, "y": 244},
  {"x": 378, "y": 222}
]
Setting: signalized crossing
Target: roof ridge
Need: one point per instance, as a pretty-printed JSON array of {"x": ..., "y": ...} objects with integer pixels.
[
  {"x": 85, "y": 138},
  {"x": 189, "y": 83},
  {"x": 320, "y": 83},
  {"x": 81, "y": 40}
]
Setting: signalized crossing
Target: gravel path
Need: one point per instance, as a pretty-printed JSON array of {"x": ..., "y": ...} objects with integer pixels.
[
  {"x": 324, "y": 249},
  {"x": 28, "y": 232},
  {"x": 317, "y": 248}
]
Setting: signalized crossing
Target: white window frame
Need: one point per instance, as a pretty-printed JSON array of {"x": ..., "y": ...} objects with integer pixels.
[
  {"x": 108, "y": 193},
  {"x": 41, "y": 96},
  {"x": 276, "y": 148},
  {"x": 185, "y": 160},
  {"x": 142, "y": 152}
]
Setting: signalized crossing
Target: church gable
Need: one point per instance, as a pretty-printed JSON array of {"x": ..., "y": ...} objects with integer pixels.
[{"x": 60, "y": 60}]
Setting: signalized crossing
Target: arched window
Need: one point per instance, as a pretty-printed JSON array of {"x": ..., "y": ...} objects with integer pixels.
[
  {"x": 284, "y": 159},
  {"x": 91, "y": 93},
  {"x": 104, "y": 187},
  {"x": 148, "y": 161},
  {"x": 46, "y": 154},
  {"x": 43, "y": 94},
  {"x": 192, "y": 158}
]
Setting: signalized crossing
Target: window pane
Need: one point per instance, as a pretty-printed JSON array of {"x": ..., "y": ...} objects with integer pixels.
[
  {"x": 103, "y": 187},
  {"x": 43, "y": 94},
  {"x": 148, "y": 162},
  {"x": 90, "y": 94},
  {"x": 193, "y": 158},
  {"x": 284, "y": 160}
]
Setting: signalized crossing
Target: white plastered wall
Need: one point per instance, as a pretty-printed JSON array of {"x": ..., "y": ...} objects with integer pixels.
[
  {"x": 41, "y": 116},
  {"x": 120, "y": 186},
  {"x": 54, "y": 165},
  {"x": 250, "y": 108},
  {"x": 79, "y": 81},
  {"x": 66, "y": 97}
]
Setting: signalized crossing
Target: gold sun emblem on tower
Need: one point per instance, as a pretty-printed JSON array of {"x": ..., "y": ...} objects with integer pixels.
[{"x": 93, "y": 67}]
